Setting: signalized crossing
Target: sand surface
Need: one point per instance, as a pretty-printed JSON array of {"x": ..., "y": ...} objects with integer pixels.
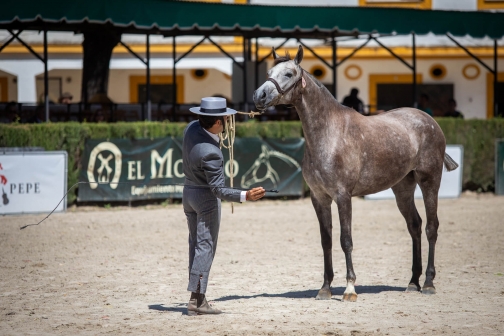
[{"x": 124, "y": 271}]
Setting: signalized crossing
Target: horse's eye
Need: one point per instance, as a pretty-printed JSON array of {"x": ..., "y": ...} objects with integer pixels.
[{"x": 289, "y": 75}]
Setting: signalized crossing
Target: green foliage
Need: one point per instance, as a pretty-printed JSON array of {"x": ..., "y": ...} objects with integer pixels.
[
  {"x": 269, "y": 129},
  {"x": 71, "y": 137},
  {"x": 477, "y": 137}
]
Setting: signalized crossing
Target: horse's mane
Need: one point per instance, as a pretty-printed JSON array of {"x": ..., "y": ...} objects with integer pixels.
[
  {"x": 323, "y": 89},
  {"x": 282, "y": 59},
  {"x": 316, "y": 81}
]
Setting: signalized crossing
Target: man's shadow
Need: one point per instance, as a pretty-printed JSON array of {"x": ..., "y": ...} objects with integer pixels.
[
  {"x": 178, "y": 308},
  {"x": 305, "y": 294}
]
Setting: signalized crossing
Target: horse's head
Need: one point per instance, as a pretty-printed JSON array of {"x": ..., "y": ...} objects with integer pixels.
[{"x": 283, "y": 82}]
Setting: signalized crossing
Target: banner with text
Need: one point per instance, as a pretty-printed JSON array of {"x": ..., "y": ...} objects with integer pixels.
[
  {"x": 145, "y": 168},
  {"x": 32, "y": 182}
]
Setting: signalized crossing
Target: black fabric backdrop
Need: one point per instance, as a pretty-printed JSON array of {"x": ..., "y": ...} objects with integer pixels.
[{"x": 150, "y": 165}]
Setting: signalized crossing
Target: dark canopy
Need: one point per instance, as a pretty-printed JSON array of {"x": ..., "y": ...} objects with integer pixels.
[{"x": 172, "y": 18}]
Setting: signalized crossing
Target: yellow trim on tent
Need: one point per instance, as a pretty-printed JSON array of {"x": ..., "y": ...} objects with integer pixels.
[{"x": 135, "y": 80}]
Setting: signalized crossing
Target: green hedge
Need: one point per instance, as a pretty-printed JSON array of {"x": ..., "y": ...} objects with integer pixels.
[
  {"x": 71, "y": 137},
  {"x": 477, "y": 137}
]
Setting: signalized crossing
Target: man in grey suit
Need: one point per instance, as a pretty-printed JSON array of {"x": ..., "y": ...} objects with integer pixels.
[{"x": 203, "y": 166}]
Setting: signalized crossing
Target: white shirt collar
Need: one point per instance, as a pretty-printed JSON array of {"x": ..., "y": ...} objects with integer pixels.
[{"x": 214, "y": 136}]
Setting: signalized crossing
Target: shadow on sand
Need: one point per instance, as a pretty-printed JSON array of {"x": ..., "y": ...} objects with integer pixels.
[
  {"x": 305, "y": 294},
  {"x": 176, "y": 308},
  {"x": 312, "y": 293}
]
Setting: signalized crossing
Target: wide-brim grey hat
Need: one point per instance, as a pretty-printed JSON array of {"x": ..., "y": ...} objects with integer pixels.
[{"x": 213, "y": 106}]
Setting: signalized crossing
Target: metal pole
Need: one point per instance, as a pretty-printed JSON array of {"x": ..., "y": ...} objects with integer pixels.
[
  {"x": 46, "y": 79},
  {"x": 256, "y": 77},
  {"x": 415, "y": 103},
  {"x": 174, "y": 81},
  {"x": 496, "y": 74},
  {"x": 334, "y": 68},
  {"x": 245, "y": 54},
  {"x": 148, "y": 84}
]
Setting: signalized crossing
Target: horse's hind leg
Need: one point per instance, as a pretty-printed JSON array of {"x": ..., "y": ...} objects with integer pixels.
[
  {"x": 322, "y": 205},
  {"x": 430, "y": 188},
  {"x": 404, "y": 192}
]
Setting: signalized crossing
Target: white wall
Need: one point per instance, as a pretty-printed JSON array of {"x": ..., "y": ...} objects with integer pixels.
[
  {"x": 306, "y": 3},
  {"x": 27, "y": 70},
  {"x": 462, "y": 5},
  {"x": 215, "y": 83},
  {"x": 470, "y": 94},
  {"x": 71, "y": 80},
  {"x": 119, "y": 83}
]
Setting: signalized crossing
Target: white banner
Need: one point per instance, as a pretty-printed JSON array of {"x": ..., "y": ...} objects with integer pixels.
[
  {"x": 451, "y": 182},
  {"x": 32, "y": 182}
]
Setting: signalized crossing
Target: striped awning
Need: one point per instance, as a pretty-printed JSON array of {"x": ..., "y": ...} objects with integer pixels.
[{"x": 173, "y": 18}]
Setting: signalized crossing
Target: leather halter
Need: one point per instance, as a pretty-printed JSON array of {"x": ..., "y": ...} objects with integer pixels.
[{"x": 279, "y": 89}]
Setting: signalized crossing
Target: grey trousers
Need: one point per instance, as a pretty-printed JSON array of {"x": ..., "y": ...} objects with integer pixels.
[{"x": 203, "y": 212}]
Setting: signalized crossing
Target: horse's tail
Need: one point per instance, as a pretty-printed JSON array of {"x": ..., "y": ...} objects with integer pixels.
[{"x": 449, "y": 163}]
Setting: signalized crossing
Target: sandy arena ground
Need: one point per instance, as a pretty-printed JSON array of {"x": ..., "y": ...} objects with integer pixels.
[{"x": 124, "y": 271}]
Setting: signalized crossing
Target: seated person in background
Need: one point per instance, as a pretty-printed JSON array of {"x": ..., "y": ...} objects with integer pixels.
[
  {"x": 423, "y": 104},
  {"x": 38, "y": 115},
  {"x": 452, "y": 110},
  {"x": 4, "y": 119},
  {"x": 66, "y": 98},
  {"x": 9, "y": 114},
  {"x": 353, "y": 101},
  {"x": 99, "y": 116}
]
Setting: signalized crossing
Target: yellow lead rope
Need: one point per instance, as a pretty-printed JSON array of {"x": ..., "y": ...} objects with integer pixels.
[{"x": 230, "y": 133}]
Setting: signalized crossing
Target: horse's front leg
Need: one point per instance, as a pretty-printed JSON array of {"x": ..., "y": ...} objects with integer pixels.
[
  {"x": 322, "y": 205},
  {"x": 344, "y": 202}
]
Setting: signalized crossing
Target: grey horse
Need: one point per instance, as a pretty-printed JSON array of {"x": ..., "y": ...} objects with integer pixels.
[{"x": 348, "y": 154}]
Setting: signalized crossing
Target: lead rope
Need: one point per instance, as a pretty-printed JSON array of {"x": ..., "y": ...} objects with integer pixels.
[{"x": 230, "y": 132}]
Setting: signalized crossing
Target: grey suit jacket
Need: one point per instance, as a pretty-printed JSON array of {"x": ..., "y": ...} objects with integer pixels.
[{"x": 203, "y": 162}]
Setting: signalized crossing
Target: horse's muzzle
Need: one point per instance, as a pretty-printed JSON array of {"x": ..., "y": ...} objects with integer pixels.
[{"x": 261, "y": 98}]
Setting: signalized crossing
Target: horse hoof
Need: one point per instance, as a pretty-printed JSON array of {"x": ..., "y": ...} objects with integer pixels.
[
  {"x": 413, "y": 288},
  {"x": 350, "y": 297},
  {"x": 428, "y": 290},
  {"x": 324, "y": 294}
]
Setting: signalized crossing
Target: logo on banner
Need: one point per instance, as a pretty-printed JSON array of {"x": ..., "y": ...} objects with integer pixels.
[
  {"x": 262, "y": 170},
  {"x": 3, "y": 182},
  {"x": 108, "y": 158}
]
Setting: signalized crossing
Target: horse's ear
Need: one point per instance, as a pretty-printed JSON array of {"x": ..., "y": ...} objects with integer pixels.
[
  {"x": 299, "y": 55},
  {"x": 275, "y": 55}
]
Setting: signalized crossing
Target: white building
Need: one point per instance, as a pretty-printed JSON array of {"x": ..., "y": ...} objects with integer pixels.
[{"x": 443, "y": 69}]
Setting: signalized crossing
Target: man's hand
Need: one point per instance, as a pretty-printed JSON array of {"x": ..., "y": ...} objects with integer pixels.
[{"x": 255, "y": 194}]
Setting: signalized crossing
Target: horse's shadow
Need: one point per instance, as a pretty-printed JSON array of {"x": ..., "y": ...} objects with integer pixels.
[
  {"x": 305, "y": 294},
  {"x": 312, "y": 293}
]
